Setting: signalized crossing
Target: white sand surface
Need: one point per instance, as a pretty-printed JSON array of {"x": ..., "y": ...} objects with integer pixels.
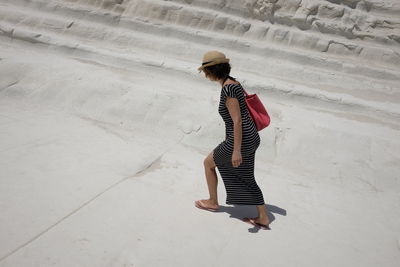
[{"x": 102, "y": 139}]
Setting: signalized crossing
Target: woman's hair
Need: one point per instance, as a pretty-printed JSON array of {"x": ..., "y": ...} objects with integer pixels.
[{"x": 219, "y": 71}]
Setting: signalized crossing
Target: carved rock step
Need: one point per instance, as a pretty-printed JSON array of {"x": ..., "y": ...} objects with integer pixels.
[{"x": 379, "y": 46}]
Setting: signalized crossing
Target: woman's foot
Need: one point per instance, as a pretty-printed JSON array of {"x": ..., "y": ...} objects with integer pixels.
[
  {"x": 262, "y": 220},
  {"x": 207, "y": 204},
  {"x": 263, "y": 223}
]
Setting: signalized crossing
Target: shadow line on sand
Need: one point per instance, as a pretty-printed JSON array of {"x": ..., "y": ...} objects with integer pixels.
[{"x": 242, "y": 211}]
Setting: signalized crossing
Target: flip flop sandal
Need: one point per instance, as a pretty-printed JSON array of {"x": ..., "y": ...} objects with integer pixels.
[
  {"x": 199, "y": 204},
  {"x": 256, "y": 224}
]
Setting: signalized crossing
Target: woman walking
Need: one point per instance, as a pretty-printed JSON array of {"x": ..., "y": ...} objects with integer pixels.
[{"x": 235, "y": 156}]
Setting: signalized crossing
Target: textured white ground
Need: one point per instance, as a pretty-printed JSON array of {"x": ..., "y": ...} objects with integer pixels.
[{"x": 105, "y": 122}]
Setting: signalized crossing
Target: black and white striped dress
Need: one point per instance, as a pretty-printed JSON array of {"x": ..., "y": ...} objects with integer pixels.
[{"x": 241, "y": 187}]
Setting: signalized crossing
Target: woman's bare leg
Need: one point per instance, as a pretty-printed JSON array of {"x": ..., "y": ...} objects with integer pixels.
[
  {"x": 262, "y": 215},
  {"x": 212, "y": 181}
]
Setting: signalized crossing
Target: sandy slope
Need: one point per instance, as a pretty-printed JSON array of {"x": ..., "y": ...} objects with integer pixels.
[
  {"x": 103, "y": 132},
  {"x": 85, "y": 182}
]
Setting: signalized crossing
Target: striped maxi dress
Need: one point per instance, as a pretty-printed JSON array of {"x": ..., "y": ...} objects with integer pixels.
[{"x": 241, "y": 187}]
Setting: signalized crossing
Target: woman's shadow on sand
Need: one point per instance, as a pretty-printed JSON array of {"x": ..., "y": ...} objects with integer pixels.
[{"x": 240, "y": 212}]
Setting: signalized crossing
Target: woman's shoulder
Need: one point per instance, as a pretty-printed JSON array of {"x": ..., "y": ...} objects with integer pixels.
[
  {"x": 232, "y": 85},
  {"x": 231, "y": 82},
  {"x": 232, "y": 89}
]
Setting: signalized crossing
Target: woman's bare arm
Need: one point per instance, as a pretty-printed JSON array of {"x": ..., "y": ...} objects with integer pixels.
[{"x": 234, "y": 110}]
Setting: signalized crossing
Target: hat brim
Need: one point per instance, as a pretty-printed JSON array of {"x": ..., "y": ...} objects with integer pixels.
[{"x": 214, "y": 62}]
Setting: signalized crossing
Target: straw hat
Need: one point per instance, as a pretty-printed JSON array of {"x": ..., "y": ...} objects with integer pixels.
[{"x": 212, "y": 58}]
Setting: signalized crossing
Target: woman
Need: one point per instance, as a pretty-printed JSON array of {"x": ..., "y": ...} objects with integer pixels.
[{"x": 234, "y": 157}]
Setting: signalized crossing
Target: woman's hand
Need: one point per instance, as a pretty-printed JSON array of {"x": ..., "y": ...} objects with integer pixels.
[{"x": 236, "y": 159}]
